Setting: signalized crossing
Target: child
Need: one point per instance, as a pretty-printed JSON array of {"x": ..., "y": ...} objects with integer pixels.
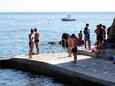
[{"x": 74, "y": 47}]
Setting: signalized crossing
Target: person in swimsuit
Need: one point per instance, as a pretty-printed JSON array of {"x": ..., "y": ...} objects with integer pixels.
[
  {"x": 74, "y": 47},
  {"x": 87, "y": 36},
  {"x": 36, "y": 38},
  {"x": 69, "y": 48},
  {"x": 99, "y": 32},
  {"x": 31, "y": 43},
  {"x": 80, "y": 35}
]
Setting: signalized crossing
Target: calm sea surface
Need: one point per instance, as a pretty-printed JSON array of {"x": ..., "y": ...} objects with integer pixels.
[
  {"x": 14, "y": 30},
  {"x": 15, "y": 27}
]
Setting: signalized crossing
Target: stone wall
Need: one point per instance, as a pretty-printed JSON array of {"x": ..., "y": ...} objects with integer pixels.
[{"x": 61, "y": 74}]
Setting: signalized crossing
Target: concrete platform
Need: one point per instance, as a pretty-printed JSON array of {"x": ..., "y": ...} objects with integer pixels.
[{"x": 95, "y": 70}]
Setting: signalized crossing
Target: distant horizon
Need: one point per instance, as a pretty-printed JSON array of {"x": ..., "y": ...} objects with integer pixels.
[{"x": 60, "y": 12}]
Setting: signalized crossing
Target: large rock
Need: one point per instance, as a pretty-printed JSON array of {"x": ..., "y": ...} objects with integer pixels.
[{"x": 111, "y": 37}]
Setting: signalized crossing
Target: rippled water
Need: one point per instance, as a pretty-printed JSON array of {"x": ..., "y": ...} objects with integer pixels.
[
  {"x": 14, "y": 30},
  {"x": 10, "y": 77}
]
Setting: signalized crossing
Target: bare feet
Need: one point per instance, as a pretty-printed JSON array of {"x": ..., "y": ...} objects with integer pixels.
[
  {"x": 74, "y": 62},
  {"x": 30, "y": 57}
]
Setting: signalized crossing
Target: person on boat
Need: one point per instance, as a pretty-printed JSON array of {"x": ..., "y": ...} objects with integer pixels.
[
  {"x": 87, "y": 36},
  {"x": 31, "y": 43},
  {"x": 80, "y": 35},
  {"x": 36, "y": 38},
  {"x": 74, "y": 47}
]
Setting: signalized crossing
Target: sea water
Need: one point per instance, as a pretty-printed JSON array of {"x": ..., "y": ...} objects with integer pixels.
[
  {"x": 15, "y": 27},
  {"x": 14, "y": 30},
  {"x": 11, "y": 77}
]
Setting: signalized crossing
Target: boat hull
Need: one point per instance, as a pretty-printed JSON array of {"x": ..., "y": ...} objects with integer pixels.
[{"x": 65, "y": 19}]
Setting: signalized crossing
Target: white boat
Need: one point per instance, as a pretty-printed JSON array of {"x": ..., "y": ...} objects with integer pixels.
[{"x": 68, "y": 18}]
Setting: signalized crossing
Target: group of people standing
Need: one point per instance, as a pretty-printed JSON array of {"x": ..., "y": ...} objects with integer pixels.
[
  {"x": 101, "y": 33},
  {"x": 72, "y": 41},
  {"x": 33, "y": 40}
]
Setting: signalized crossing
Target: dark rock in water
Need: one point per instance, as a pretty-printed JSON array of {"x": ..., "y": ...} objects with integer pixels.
[
  {"x": 52, "y": 43},
  {"x": 111, "y": 37}
]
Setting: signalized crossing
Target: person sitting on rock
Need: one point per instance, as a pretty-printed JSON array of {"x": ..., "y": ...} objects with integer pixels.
[{"x": 100, "y": 44}]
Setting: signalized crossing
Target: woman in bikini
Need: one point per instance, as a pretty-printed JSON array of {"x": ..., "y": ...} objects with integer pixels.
[
  {"x": 36, "y": 37},
  {"x": 31, "y": 43}
]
